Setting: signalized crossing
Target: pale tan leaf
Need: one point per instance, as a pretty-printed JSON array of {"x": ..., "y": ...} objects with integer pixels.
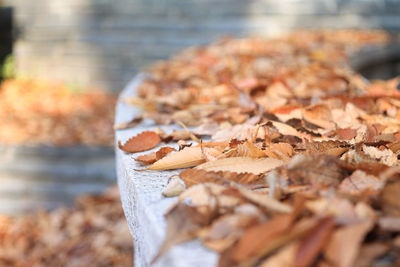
[
  {"x": 359, "y": 181},
  {"x": 154, "y": 156},
  {"x": 319, "y": 115},
  {"x": 179, "y": 135},
  {"x": 211, "y": 195},
  {"x": 202, "y": 194},
  {"x": 332, "y": 206},
  {"x": 264, "y": 201},
  {"x": 173, "y": 188},
  {"x": 227, "y": 229},
  {"x": 242, "y": 165},
  {"x": 208, "y": 128},
  {"x": 285, "y": 129},
  {"x": 239, "y": 132},
  {"x": 365, "y": 211},
  {"x": 247, "y": 149},
  {"x": 282, "y": 151},
  {"x": 188, "y": 157}
]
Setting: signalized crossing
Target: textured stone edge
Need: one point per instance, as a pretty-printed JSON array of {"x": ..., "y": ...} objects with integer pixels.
[{"x": 143, "y": 204}]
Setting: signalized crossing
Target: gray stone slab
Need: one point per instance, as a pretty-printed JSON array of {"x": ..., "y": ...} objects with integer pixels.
[{"x": 143, "y": 204}]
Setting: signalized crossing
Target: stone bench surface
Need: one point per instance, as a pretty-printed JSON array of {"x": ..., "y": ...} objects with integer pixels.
[{"x": 143, "y": 204}]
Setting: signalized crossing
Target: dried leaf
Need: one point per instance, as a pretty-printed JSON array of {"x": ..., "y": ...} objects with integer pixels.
[
  {"x": 183, "y": 222},
  {"x": 391, "y": 224},
  {"x": 359, "y": 181},
  {"x": 179, "y": 135},
  {"x": 345, "y": 243},
  {"x": 282, "y": 151},
  {"x": 209, "y": 194},
  {"x": 256, "y": 237},
  {"x": 314, "y": 242},
  {"x": 333, "y": 206},
  {"x": 286, "y": 129},
  {"x": 334, "y": 148},
  {"x": 390, "y": 198},
  {"x": 264, "y": 201},
  {"x": 196, "y": 176},
  {"x": 346, "y": 133},
  {"x": 142, "y": 142},
  {"x": 174, "y": 188},
  {"x": 265, "y": 238},
  {"x": 229, "y": 228},
  {"x": 130, "y": 124},
  {"x": 241, "y": 165},
  {"x": 154, "y": 156},
  {"x": 209, "y": 128},
  {"x": 370, "y": 252},
  {"x": 319, "y": 115},
  {"x": 284, "y": 257},
  {"x": 283, "y": 123},
  {"x": 188, "y": 157},
  {"x": 373, "y": 168},
  {"x": 239, "y": 132},
  {"x": 374, "y": 131},
  {"x": 247, "y": 149},
  {"x": 315, "y": 169}
]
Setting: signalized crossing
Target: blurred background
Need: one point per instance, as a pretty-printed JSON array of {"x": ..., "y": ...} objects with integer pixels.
[
  {"x": 103, "y": 43},
  {"x": 62, "y": 63}
]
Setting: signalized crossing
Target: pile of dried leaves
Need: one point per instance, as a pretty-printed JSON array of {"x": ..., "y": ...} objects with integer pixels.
[
  {"x": 302, "y": 168},
  {"x": 93, "y": 233},
  {"x": 34, "y": 112}
]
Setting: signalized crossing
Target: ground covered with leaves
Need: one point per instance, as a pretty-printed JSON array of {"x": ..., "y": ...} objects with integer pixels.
[
  {"x": 92, "y": 233},
  {"x": 300, "y": 160},
  {"x": 38, "y": 112}
]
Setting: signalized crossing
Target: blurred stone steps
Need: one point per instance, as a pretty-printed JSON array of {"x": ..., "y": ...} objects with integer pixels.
[{"x": 45, "y": 177}]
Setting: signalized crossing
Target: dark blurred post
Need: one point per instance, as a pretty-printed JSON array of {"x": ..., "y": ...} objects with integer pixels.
[{"x": 6, "y": 15}]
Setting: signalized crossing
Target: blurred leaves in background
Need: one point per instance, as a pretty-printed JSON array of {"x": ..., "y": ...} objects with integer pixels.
[{"x": 92, "y": 233}]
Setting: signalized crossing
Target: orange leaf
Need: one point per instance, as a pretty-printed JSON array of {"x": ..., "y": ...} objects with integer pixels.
[
  {"x": 141, "y": 142},
  {"x": 257, "y": 236},
  {"x": 312, "y": 244},
  {"x": 346, "y": 133}
]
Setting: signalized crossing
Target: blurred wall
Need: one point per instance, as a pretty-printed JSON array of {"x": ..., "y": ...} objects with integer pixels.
[{"x": 103, "y": 43}]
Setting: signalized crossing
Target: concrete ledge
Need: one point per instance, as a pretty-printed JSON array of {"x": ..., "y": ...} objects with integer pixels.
[{"x": 143, "y": 204}]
